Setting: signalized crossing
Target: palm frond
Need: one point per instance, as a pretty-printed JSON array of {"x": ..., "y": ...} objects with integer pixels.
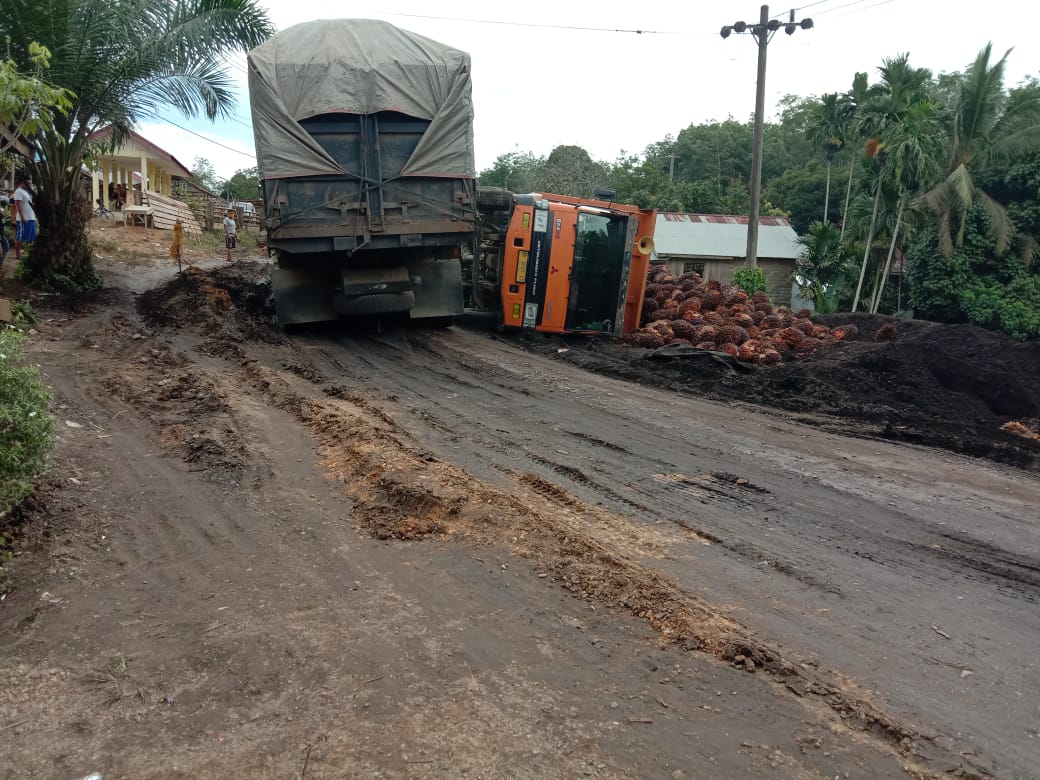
[{"x": 1000, "y": 226}]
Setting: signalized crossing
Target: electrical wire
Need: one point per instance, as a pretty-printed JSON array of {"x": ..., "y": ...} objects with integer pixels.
[
  {"x": 547, "y": 26},
  {"x": 839, "y": 7},
  {"x": 210, "y": 140},
  {"x": 864, "y": 8}
]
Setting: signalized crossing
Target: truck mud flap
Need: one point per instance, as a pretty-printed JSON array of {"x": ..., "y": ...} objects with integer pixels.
[
  {"x": 438, "y": 289},
  {"x": 302, "y": 296}
]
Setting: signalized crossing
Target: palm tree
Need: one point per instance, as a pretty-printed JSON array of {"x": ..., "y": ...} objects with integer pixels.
[
  {"x": 827, "y": 131},
  {"x": 914, "y": 155},
  {"x": 124, "y": 61},
  {"x": 823, "y": 264},
  {"x": 988, "y": 129},
  {"x": 902, "y": 86},
  {"x": 853, "y": 100}
]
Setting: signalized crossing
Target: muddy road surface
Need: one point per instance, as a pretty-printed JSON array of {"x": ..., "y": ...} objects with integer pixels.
[{"x": 402, "y": 553}]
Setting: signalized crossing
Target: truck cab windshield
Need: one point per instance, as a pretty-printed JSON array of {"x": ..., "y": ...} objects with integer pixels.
[{"x": 596, "y": 274}]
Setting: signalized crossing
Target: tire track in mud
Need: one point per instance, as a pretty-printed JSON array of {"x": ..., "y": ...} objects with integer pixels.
[
  {"x": 832, "y": 527},
  {"x": 730, "y": 499},
  {"x": 381, "y": 469}
]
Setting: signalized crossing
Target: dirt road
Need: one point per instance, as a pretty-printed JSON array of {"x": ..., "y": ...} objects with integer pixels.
[{"x": 415, "y": 554}]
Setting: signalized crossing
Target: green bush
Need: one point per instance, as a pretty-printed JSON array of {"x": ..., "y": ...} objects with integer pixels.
[
  {"x": 974, "y": 284},
  {"x": 750, "y": 280},
  {"x": 1013, "y": 308},
  {"x": 25, "y": 425}
]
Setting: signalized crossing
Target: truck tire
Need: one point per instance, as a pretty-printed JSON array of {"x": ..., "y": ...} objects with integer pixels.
[
  {"x": 379, "y": 303},
  {"x": 491, "y": 198}
]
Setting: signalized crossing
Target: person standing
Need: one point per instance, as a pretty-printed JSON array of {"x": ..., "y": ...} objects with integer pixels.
[
  {"x": 24, "y": 215},
  {"x": 5, "y": 203},
  {"x": 230, "y": 232}
]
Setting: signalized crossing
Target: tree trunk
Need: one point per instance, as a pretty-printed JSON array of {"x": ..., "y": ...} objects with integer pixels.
[
  {"x": 866, "y": 252},
  {"x": 848, "y": 197},
  {"x": 891, "y": 251},
  {"x": 60, "y": 257},
  {"x": 827, "y": 194}
]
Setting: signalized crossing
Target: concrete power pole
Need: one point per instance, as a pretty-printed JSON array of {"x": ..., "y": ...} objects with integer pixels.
[{"x": 762, "y": 33}]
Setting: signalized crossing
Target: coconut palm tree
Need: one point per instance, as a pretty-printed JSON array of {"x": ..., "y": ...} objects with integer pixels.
[
  {"x": 827, "y": 131},
  {"x": 988, "y": 128},
  {"x": 124, "y": 61}
]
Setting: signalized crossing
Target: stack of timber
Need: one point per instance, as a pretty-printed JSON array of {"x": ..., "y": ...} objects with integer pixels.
[{"x": 166, "y": 211}]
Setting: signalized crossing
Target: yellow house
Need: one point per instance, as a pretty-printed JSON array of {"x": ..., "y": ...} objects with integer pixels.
[{"x": 137, "y": 161}]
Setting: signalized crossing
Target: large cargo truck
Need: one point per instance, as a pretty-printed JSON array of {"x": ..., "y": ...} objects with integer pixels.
[{"x": 364, "y": 141}]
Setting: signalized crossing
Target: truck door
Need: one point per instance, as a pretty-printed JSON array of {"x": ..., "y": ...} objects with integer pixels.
[{"x": 599, "y": 273}]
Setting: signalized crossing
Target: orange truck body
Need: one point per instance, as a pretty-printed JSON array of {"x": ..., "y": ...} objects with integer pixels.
[{"x": 575, "y": 265}]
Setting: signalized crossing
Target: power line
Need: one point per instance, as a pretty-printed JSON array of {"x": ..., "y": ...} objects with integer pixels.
[
  {"x": 215, "y": 143},
  {"x": 839, "y": 7},
  {"x": 546, "y": 26},
  {"x": 864, "y": 8}
]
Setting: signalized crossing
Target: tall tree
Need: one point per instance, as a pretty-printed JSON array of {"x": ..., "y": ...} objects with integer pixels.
[
  {"x": 854, "y": 99},
  {"x": 988, "y": 128},
  {"x": 915, "y": 148},
  {"x": 205, "y": 175},
  {"x": 124, "y": 60},
  {"x": 244, "y": 184},
  {"x": 827, "y": 132},
  {"x": 569, "y": 170},
  {"x": 902, "y": 86}
]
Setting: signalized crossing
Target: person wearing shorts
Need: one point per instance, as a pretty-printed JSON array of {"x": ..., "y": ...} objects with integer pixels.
[
  {"x": 230, "y": 233},
  {"x": 24, "y": 215}
]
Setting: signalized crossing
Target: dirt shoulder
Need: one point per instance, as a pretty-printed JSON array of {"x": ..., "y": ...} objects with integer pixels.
[{"x": 948, "y": 386}]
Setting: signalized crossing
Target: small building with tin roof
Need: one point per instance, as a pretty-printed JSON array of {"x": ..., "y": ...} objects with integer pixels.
[{"x": 715, "y": 246}]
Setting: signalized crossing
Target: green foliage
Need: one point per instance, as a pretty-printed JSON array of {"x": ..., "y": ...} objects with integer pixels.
[
  {"x": 825, "y": 266},
  {"x": 750, "y": 280},
  {"x": 244, "y": 184},
  {"x": 569, "y": 170},
  {"x": 25, "y": 425},
  {"x": 28, "y": 104},
  {"x": 1013, "y": 308},
  {"x": 799, "y": 191},
  {"x": 205, "y": 175},
  {"x": 974, "y": 284},
  {"x": 123, "y": 61}
]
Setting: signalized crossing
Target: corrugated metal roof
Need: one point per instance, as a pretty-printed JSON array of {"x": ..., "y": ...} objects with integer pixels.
[{"x": 719, "y": 235}]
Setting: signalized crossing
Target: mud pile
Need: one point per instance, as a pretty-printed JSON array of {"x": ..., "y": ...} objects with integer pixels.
[
  {"x": 231, "y": 304},
  {"x": 950, "y": 386}
]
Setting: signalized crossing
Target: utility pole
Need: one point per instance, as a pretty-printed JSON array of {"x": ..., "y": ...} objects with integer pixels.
[{"x": 762, "y": 33}]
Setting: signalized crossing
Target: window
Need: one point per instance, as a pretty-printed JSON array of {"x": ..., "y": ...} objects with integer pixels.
[{"x": 697, "y": 268}]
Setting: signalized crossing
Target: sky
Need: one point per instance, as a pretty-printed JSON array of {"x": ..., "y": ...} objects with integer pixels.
[{"x": 578, "y": 72}]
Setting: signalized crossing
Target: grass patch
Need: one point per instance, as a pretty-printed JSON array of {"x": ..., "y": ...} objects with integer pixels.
[{"x": 26, "y": 429}]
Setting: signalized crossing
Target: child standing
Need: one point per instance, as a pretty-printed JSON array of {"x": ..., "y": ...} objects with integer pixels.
[
  {"x": 25, "y": 217},
  {"x": 230, "y": 232}
]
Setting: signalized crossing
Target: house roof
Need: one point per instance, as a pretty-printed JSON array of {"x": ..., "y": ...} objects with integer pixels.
[
  {"x": 719, "y": 235},
  {"x": 154, "y": 151}
]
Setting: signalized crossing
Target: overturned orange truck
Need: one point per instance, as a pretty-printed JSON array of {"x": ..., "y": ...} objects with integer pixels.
[{"x": 364, "y": 140}]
